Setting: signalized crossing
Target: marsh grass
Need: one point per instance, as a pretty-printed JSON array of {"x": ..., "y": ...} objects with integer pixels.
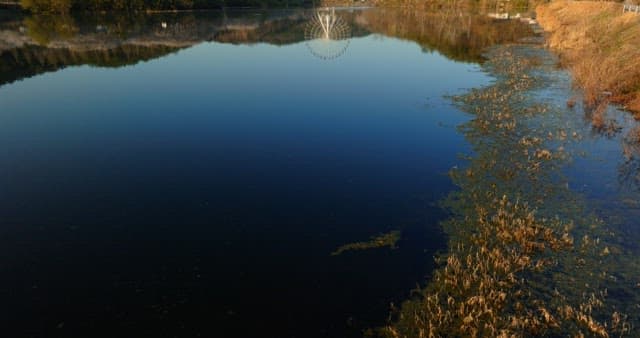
[
  {"x": 599, "y": 43},
  {"x": 525, "y": 256}
]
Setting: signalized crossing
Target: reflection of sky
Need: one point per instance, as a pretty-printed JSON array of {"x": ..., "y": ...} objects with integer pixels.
[
  {"x": 367, "y": 58},
  {"x": 375, "y": 74},
  {"x": 383, "y": 96}
]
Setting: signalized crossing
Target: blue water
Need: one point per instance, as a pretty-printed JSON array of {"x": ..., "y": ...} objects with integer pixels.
[{"x": 202, "y": 192}]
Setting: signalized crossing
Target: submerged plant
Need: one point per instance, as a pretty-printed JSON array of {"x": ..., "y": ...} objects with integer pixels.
[{"x": 389, "y": 239}]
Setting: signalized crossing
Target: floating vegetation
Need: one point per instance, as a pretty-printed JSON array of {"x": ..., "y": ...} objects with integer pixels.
[
  {"x": 389, "y": 239},
  {"x": 525, "y": 256}
]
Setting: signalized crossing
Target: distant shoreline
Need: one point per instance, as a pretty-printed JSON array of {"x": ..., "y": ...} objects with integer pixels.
[
  {"x": 154, "y": 11},
  {"x": 16, "y": 5},
  {"x": 10, "y": 5}
]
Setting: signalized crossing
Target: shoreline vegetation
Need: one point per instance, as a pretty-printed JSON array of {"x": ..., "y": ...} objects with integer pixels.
[
  {"x": 598, "y": 43},
  {"x": 526, "y": 258}
]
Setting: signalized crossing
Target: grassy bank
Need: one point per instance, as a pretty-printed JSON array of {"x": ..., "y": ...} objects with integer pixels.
[{"x": 599, "y": 43}]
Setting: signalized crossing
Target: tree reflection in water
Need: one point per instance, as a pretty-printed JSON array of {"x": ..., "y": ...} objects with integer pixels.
[{"x": 42, "y": 43}]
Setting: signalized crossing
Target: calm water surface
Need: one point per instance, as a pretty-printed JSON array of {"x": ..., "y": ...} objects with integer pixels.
[
  {"x": 201, "y": 192},
  {"x": 189, "y": 175}
]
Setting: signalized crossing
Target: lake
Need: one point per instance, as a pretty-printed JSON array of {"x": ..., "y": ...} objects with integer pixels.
[{"x": 191, "y": 174}]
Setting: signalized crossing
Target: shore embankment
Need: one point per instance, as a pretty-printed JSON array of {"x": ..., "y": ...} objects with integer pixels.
[{"x": 598, "y": 42}]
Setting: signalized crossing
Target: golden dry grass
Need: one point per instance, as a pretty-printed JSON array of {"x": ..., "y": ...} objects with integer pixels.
[
  {"x": 511, "y": 271},
  {"x": 599, "y": 43}
]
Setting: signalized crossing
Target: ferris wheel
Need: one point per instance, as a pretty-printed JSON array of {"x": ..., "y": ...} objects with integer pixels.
[{"x": 327, "y": 34}]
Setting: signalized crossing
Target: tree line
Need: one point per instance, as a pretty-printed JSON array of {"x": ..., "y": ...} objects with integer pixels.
[{"x": 63, "y": 6}]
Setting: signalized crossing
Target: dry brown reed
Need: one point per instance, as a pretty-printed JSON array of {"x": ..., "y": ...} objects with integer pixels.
[
  {"x": 511, "y": 272},
  {"x": 599, "y": 43}
]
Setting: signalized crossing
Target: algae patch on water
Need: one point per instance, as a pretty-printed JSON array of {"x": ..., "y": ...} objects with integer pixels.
[{"x": 389, "y": 239}]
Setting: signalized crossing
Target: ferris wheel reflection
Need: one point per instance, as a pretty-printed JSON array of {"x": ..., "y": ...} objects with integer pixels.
[{"x": 327, "y": 34}]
